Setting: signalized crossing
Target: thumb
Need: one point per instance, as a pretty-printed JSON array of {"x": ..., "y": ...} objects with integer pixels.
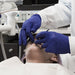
[{"x": 34, "y": 28}]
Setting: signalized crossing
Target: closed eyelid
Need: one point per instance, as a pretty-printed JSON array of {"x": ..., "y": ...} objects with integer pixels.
[{"x": 38, "y": 46}]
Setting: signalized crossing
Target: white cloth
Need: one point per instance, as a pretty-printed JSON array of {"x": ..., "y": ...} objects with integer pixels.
[
  {"x": 31, "y": 68},
  {"x": 11, "y": 61},
  {"x": 68, "y": 61}
]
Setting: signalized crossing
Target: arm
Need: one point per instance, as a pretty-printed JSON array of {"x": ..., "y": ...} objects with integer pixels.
[{"x": 55, "y": 16}]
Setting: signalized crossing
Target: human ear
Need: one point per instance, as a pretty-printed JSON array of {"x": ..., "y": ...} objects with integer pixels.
[
  {"x": 54, "y": 59},
  {"x": 24, "y": 59}
]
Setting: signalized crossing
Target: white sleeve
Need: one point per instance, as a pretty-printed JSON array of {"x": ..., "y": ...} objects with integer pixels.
[
  {"x": 72, "y": 45},
  {"x": 55, "y": 16}
]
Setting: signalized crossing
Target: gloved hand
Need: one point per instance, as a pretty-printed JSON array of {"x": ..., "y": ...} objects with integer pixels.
[
  {"x": 30, "y": 25},
  {"x": 53, "y": 42}
]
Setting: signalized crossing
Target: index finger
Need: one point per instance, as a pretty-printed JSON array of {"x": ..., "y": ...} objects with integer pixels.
[{"x": 40, "y": 35}]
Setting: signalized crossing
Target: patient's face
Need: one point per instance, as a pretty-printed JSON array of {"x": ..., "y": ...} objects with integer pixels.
[{"x": 34, "y": 54}]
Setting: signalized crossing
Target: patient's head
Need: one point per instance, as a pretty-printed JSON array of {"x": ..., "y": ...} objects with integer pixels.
[{"x": 35, "y": 54}]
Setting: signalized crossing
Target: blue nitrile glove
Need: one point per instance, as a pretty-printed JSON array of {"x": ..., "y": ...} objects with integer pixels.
[
  {"x": 29, "y": 26},
  {"x": 53, "y": 42},
  {"x": 0, "y": 16}
]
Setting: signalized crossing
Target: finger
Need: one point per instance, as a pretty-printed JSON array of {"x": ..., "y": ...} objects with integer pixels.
[
  {"x": 40, "y": 35},
  {"x": 24, "y": 37},
  {"x": 40, "y": 41},
  {"x": 31, "y": 37},
  {"x": 45, "y": 45},
  {"x": 51, "y": 49},
  {"x": 25, "y": 24},
  {"x": 48, "y": 50},
  {"x": 27, "y": 30},
  {"x": 34, "y": 28},
  {"x": 28, "y": 33}
]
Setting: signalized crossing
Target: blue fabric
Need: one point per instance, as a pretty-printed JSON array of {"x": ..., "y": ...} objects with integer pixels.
[
  {"x": 29, "y": 26},
  {"x": 53, "y": 42}
]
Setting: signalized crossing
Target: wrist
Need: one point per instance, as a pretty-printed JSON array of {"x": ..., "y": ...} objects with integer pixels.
[{"x": 37, "y": 15}]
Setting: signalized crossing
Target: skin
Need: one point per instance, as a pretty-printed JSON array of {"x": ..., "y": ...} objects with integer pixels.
[{"x": 34, "y": 54}]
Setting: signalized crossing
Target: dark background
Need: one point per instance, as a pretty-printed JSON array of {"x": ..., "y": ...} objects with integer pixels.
[{"x": 29, "y": 2}]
